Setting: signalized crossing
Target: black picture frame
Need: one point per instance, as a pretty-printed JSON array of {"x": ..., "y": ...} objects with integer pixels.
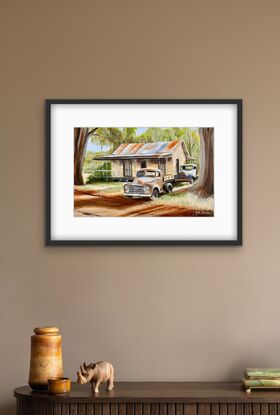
[{"x": 51, "y": 242}]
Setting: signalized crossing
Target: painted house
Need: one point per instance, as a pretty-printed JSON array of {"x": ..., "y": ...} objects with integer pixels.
[{"x": 127, "y": 159}]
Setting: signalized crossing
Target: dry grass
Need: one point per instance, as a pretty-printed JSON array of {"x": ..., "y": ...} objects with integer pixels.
[
  {"x": 105, "y": 187},
  {"x": 188, "y": 199}
]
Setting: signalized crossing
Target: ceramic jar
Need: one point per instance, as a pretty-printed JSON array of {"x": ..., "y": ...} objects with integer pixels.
[
  {"x": 59, "y": 386},
  {"x": 46, "y": 357}
]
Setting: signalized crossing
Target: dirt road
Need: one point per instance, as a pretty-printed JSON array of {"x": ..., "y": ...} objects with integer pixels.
[{"x": 97, "y": 203}]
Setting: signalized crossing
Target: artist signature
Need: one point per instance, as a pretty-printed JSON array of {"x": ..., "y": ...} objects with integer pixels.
[{"x": 203, "y": 213}]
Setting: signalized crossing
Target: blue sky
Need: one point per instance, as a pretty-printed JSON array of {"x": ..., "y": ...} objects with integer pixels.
[{"x": 95, "y": 147}]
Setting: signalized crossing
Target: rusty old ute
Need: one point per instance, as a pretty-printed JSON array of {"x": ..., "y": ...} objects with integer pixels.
[{"x": 149, "y": 183}]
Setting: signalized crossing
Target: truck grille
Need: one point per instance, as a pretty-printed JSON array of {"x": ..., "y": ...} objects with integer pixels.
[{"x": 133, "y": 188}]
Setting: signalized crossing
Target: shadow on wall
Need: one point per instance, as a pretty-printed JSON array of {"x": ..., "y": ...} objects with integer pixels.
[{"x": 8, "y": 408}]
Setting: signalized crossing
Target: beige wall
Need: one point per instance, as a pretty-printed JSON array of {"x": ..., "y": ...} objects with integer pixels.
[
  {"x": 183, "y": 313},
  {"x": 178, "y": 154},
  {"x": 117, "y": 168}
]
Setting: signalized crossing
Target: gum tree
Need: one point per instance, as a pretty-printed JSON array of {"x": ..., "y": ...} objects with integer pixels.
[
  {"x": 102, "y": 136},
  {"x": 205, "y": 183},
  {"x": 81, "y": 136}
]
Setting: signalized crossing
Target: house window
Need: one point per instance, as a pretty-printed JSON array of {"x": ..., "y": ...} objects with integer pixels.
[
  {"x": 162, "y": 165},
  {"x": 143, "y": 164},
  {"x": 127, "y": 168}
]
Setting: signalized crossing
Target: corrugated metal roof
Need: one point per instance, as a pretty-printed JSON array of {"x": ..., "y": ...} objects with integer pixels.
[{"x": 147, "y": 149}]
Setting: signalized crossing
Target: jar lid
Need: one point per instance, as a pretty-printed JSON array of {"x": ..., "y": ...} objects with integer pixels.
[{"x": 46, "y": 330}]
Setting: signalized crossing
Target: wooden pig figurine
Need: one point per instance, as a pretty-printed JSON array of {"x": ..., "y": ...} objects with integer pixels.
[{"x": 95, "y": 373}]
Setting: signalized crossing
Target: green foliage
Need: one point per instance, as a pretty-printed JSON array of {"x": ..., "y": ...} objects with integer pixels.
[
  {"x": 114, "y": 136},
  {"x": 192, "y": 143},
  {"x": 90, "y": 164},
  {"x": 102, "y": 173},
  {"x": 152, "y": 135}
]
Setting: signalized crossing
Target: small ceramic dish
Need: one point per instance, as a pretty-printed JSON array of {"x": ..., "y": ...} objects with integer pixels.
[{"x": 59, "y": 386}]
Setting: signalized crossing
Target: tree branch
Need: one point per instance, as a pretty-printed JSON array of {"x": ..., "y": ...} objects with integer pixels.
[{"x": 92, "y": 131}]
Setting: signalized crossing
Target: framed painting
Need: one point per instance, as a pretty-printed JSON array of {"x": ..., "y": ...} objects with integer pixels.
[{"x": 135, "y": 172}]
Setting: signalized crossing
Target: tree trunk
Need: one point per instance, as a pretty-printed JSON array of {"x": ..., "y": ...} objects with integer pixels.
[
  {"x": 205, "y": 182},
  {"x": 81, "y": 136}
]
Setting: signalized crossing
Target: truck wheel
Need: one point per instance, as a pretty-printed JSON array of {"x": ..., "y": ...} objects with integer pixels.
[
  {"x": 155, "y": 194},
  {"x": 168, "y": 188}
]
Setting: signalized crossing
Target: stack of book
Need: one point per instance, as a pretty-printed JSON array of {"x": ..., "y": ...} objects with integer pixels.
[{"x": 261, "y": 379}]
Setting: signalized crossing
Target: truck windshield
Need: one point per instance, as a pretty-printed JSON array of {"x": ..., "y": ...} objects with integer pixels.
[
  {"x": 190, "y": 167},
  {"x": 147, "y": 173}
]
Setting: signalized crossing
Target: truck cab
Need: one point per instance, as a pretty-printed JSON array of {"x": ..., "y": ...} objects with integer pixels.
[
  {"x": 148, "y": 183},
  {"x": 188, "y": 172}
]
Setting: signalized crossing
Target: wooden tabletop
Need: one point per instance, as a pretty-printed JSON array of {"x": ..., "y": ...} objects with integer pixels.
[{"x": 159, "y": 392}]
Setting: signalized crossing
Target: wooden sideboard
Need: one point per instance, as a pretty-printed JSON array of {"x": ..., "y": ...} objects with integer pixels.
[{"x": 151, "y": 398}]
